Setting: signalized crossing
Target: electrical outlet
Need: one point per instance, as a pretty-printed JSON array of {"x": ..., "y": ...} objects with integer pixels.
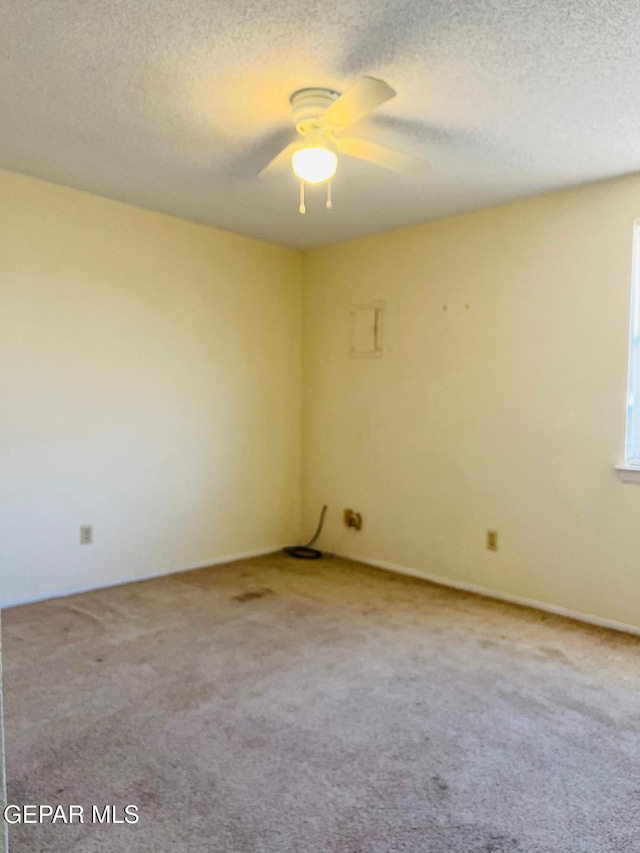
[
  {"x": 492, "y": 540},
  {"x": 86, "y": 534}
]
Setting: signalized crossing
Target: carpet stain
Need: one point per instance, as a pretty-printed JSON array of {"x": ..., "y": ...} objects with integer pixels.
[
  {"x": 556, "y": 654},
  {"x": 500, "y": 844},
  {"x": 252, "y": 594},
  {"x": 489, "y": 644},
  {"x": 440, "y": 783}
]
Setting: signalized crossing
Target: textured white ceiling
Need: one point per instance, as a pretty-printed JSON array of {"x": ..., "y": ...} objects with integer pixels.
[{"x": 176, "y": 105}]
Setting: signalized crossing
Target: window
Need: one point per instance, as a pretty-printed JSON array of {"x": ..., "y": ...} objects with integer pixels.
[{"x": 632, "y": 446}]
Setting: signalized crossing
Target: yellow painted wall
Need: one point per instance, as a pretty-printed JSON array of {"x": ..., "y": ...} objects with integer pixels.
[
  {"x": 505, "y": 411},
  {"x": 149, "y": 378},
  {"x": 150, "y": 384}
]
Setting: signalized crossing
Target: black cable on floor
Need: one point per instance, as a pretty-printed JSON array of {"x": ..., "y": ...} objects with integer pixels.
[{"x": 306, "y": 552}]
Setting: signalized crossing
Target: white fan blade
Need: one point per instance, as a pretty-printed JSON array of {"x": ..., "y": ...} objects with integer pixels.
[
  {"x": 380, "y": 155},
  {"x": 282, "y": 161},
  {"x": 363, "y": 97}
]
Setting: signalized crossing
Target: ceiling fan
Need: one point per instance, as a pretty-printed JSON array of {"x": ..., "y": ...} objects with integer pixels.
[{"x": 321, "y": 117}]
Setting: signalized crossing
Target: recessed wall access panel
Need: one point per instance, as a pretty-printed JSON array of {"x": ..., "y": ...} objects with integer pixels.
[{"x": 365, "y": 330}]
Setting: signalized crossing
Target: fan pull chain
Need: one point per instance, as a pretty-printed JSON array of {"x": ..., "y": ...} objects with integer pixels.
[
  {"x": 302, "y": 208},
  {"x": 329, "y": 202}
]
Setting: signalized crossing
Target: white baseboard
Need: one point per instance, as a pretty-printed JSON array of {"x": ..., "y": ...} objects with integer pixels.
[
  {"x": 202, "y": 564},
  {"x": 578, "y": 615}
]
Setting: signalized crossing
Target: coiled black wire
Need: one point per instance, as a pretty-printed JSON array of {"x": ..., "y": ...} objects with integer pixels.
[{"x": 306, "y": 552}]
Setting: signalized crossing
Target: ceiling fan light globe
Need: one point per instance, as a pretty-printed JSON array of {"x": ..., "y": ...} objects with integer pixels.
[{"x": 314, "y": 164}]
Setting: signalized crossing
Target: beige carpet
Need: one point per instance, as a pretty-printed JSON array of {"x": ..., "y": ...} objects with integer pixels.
[{"x": 276, "y": 705}]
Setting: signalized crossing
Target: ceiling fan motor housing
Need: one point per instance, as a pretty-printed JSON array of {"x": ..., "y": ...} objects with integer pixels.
[{"x": 308, "y": 106}]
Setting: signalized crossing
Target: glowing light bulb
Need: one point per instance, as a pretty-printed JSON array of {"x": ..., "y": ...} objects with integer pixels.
[{"x": 314, "y": 164}]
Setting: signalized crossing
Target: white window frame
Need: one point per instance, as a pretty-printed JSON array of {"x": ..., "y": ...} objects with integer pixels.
[{"x": 630, "y": 470}]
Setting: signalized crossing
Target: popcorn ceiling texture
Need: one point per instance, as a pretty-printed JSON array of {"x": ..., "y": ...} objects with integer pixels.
[
  {"x": 277, "y": 707},
  {"x": 176, "y": 106}
]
